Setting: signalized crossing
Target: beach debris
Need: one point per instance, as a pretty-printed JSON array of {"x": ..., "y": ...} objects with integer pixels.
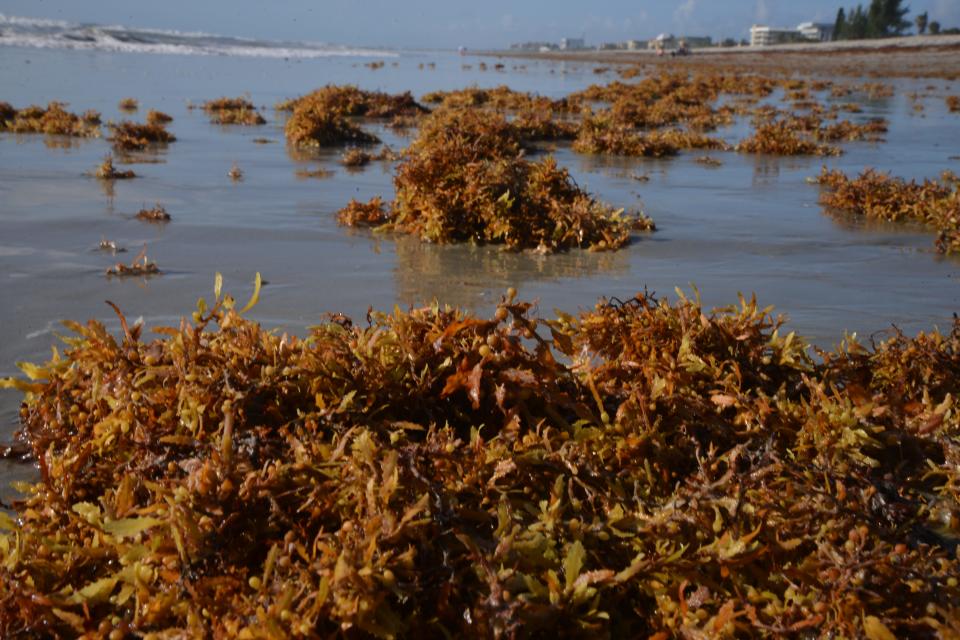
[
  {"x": 314, "y": 173},
  {"x": 106, "y": 171},
  {"x": 133, "y": 136},
  {"x": 109, "y": 245},
  {"x": 464, "y": 179},
  {"x": 52, "y": 120},
  {"x": 644, "y": 469},
  {"x": 238, "y": 111},
  {"x": 139, "y": 266},
  {"x": 156, "y": 213},
  {"x": 158, "y": 117},
  {"x": 235, "y": 173},
  {"x": 129, "y": 104},
  {"x": 879, "y": 196}
]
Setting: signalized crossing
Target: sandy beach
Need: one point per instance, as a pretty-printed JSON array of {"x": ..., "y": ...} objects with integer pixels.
[{"x": 914, "y": 56}]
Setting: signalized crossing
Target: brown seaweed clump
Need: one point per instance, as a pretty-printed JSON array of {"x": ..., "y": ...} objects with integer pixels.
[
  {"x": 601, "y": 135},
  {"x": 314, "y": 125},
  {"x": 464, "y": 180},
  {"x": 233, "y": 111},
  {"x": 880, "y": 196},
  {"x": 351, "y": 101},
  {"x": 782, "y": 138},
  {"x": 133, "y": 136},
  {"x": 155, "y": 213},
  {"x": 106, "y": 171},
  {"x": 355, "y": 157},
  {"x": 644, "y": 470},
  {"x": 953, "y": 103},
  {"x": 139, "y": 266},
  {"x": 54, "y": 120},
  {"x": 158, "y": 117},
  {"x": 364, "y": 214},
  {"x": 129, "y": 104}
]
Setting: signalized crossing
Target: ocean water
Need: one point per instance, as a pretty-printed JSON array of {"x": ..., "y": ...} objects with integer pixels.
[{"x": 752, "y": 225}]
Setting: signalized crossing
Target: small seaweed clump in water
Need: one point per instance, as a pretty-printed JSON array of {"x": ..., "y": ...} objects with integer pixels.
[
  {"x": 155, "y": 213},
  {"x": 644, "y": 470},
  {"x": 360, "y": 214},
  {"x": 464, "y": 180},
  {"x": 233, "y": 111},
  {"x": 54, "y": 120},
  {"x": 106, "y": 171},
  {"x": 140, "y": 266},
  {"x": 355, "y": 157},
  {"x": 129, "y": 104},
  {"x": 158, "y": 117},
  {"x": 953, "y": 103},
  {"x": 782, "y": 138},
  {"x": 880, "y": 196},
  {"x": 133, "y": 136}
]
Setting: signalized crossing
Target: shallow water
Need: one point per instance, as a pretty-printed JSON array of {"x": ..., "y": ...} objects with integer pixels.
[{"x": 751, "y": 225}]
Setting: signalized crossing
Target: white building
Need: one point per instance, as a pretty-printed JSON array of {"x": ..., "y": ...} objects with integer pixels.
[
  {"x": 762, "y": 35},
  {"x": 816, "y": 31},
  {"x": 572, "y": 44}
]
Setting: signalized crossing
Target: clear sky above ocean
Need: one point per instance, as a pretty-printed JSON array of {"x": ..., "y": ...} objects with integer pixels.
[{"x": 452, "y": 23}]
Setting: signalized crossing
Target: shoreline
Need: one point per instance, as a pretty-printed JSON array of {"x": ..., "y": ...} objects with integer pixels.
[{"x": 912, "y": 56}]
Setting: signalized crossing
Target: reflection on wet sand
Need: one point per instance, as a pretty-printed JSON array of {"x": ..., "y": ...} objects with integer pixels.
[{"x": 473, "y": 276}]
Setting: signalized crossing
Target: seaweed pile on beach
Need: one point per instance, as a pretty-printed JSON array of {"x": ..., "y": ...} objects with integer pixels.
[
  {"x": 134, "y": 136},
  {"x": 784, "y": 137},
  {"x": 465, "y": 179},
  {"x": 879, "y": 196},
  {"x": 54, "y": 120},
  {"x": 643, "y": 470},
  {"x": 106, "y": 171},
  {"x": 348, "y": 100},
  {"x": 233, "y": 111}
]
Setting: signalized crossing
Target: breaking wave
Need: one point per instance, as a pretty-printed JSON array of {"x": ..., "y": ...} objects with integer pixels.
[{"x": 57, "y": 34}]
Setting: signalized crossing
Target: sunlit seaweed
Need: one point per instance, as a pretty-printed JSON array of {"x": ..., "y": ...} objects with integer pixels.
[
  {"x": 131, "y": 136},
  {"x": 158, "y": 117},
  {"x": 139, "y": 266},
  {"x": 233, "y": 111},
  {"x": 314, "y": 125},
  {"x": 464, "y": 180},
  {"x": 54, "y": 120},
  {"x": 106, "y": 171},
  {"x": 364, "y": 214},
  {"x": 642, "y": 470},
  {"x": 953, "y": 103},
  {"x": 129, "y": 104},
  {"x": 155, "y": 213},
  {"x": 880, "y": 196},
  {"x": 781, "y": 137},
  {"x": 349, "y": 100}
]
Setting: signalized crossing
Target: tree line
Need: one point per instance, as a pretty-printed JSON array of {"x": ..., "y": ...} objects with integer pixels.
[{"x": 880, "y": 19}]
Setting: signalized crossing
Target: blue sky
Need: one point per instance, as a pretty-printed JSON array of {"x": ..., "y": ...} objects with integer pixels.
[{"x": 450, "y": 23}]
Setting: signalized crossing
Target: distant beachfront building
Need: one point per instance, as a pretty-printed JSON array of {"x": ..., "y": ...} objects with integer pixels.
[
  {"x": 572, "y": 44},
  {"x": 816, "y": 31},
  {"x": 762, "y": 35},
  {"x": 663, "y": 41}
]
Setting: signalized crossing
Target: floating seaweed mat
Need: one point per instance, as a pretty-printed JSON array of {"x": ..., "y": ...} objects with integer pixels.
[
  {"x": 233, "y": 111},
  {"x": 880, "y": 196},
  {"x": 54, "y": 120},
  {"x": 464, "y": 180},
  {"x": 643, "y": 470}
]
